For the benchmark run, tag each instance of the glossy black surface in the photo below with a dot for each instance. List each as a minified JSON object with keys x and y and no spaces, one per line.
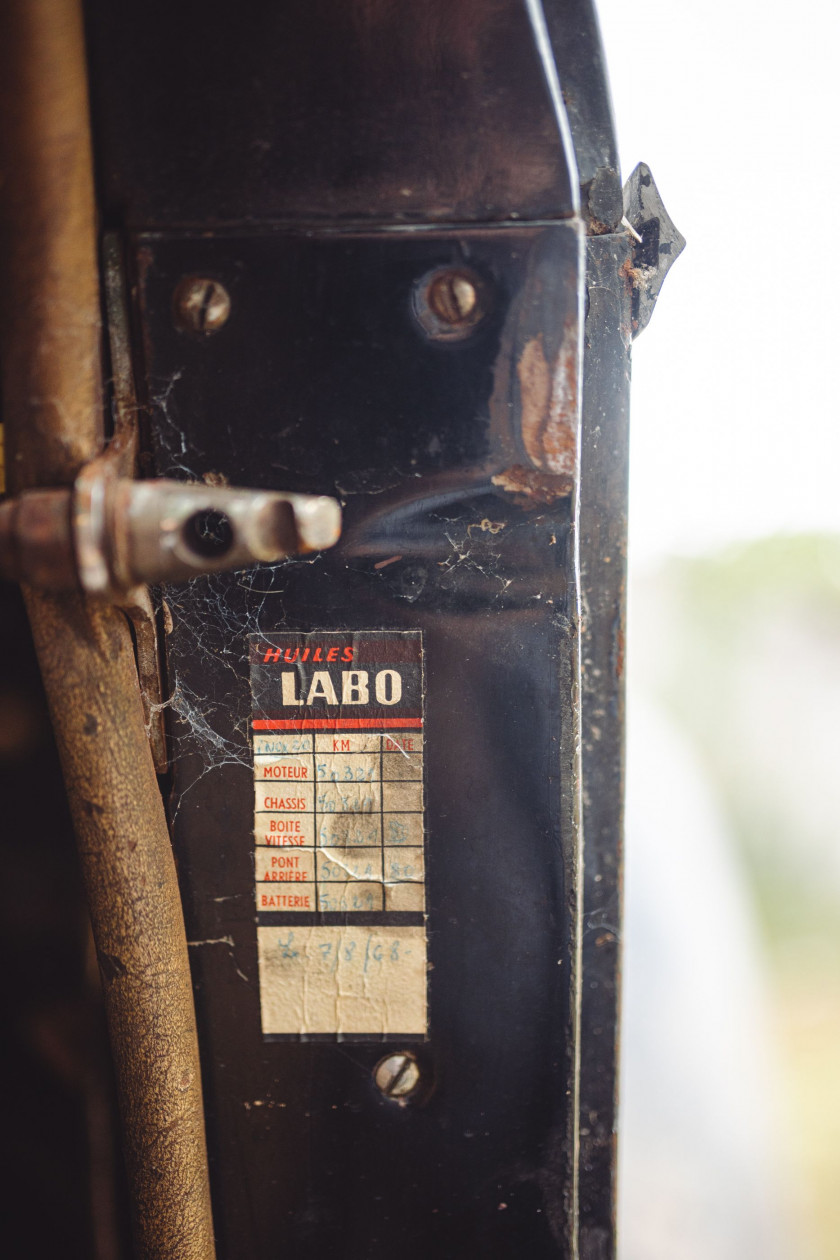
{"x":401,"y":427}
{"x":255,"y":111}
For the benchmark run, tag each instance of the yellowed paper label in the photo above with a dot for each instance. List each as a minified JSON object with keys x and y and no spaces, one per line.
{"x":339,"y":833}
{"x":345,"y":980}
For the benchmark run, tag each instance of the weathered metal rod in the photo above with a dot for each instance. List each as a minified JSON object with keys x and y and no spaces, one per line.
{"x":49,"y":333}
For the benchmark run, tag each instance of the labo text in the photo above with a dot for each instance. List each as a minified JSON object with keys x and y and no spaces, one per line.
{"x":354,"y":687}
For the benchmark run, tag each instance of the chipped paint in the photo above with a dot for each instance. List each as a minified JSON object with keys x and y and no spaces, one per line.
{"x":534,"y":487}
{"x":549,"y":403}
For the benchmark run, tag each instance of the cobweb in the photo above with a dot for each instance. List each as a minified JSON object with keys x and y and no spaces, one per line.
{"x":208,"y":708}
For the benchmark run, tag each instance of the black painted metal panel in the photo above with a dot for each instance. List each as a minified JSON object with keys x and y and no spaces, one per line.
{"x":603,"y":564}
{"x":265,"y":111}
{"x":406,"y":431}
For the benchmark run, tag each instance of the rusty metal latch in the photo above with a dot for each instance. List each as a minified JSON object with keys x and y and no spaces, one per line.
{"x":109,"y":534}
{"x":658,"y":243}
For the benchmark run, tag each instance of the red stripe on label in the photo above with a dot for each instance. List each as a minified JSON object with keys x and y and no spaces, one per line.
{"x":336,"y":724}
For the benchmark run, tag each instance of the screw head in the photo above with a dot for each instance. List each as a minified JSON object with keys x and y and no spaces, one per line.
{"x":450,"y":302}
{"x":452,"y":297}
{"x":397,"y":1075}
{"x":201,"y":305}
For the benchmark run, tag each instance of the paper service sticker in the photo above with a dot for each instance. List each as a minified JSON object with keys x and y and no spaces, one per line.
{"x":339,"y":833}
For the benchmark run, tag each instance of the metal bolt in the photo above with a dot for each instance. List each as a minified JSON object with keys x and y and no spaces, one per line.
{"x":450,"y":302}
{"x":452,"y":297}
{"x":398,"y":1075}
{"x":201,"y":305}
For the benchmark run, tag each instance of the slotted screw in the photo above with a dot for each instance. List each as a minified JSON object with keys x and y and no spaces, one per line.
{"x":450,"y":302}
{"x":201,"y":305}
{"x":397,"y":1076}
{"x":453,"y":298}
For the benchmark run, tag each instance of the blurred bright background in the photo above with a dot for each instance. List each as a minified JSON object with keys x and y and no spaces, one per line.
{"x":734,"y":653}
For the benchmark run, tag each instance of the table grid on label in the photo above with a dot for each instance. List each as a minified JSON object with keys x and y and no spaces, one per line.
{"x":338,"y":822}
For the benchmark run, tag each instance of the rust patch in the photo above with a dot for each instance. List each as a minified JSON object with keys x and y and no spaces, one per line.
{"x":549,"y":403}
{"x":535,"y":392}
{"x":530,"y":486}
{"x":633,"y":278}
